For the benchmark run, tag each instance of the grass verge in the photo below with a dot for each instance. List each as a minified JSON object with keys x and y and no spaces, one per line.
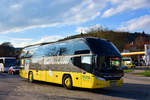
{"x":146,"y":73}
{"x":128,"y":70}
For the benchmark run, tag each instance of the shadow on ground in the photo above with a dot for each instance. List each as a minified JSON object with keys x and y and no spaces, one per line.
{"x":128,"y":90}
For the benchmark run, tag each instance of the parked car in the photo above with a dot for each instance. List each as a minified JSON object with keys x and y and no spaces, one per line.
{"x":13,"y":70}
{"x":127,"y":61}
{"x":124,"y":67}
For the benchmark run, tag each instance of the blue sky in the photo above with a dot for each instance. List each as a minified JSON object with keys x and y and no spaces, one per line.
{"x":24,"y":22}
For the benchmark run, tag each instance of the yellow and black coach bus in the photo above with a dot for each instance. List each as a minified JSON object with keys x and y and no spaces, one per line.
{"x":82,"y":62}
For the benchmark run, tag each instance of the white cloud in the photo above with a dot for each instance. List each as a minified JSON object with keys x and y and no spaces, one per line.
{"x":142,"y":23}
{"x":126,"y":5}
{"x":81,"y":29}
{"x":115,"y":1}
{"x":49,"y":39}
{"x":15,"y":6}
{"x":21,"y":15}
{"x":87,"y":29}
{"x":22,"y":42}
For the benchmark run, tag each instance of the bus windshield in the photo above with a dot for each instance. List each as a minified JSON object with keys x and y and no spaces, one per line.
{"x":108,"y":63}
{"x":102,"y":47}
{"x":10,"y":62}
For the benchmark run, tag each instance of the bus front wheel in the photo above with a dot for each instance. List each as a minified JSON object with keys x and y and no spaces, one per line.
{"x":30,"y":77}
{"x":67,"y":82}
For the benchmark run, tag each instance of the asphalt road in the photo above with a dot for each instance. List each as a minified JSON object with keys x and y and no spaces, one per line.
{"x":12,"y":87}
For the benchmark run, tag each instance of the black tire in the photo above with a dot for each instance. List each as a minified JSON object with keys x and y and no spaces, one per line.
{"x":67,"y":78}
{"x":30,"y":77}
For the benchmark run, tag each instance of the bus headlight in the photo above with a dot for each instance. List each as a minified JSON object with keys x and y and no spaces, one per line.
{"x":99,"y":78}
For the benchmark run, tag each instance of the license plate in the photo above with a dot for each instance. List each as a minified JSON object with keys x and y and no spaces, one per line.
{"x":113,"y":83}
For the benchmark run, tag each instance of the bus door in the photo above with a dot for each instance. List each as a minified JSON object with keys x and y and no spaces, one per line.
{"x":41,"y":69}
{"x":36,"y":61}
{"x":26,"y":67}
{"x":86,"y":65}
{"x":42,"y":74}
{"x":37,"y":73}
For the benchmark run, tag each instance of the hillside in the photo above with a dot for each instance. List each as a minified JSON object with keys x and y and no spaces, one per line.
{"x":122,"y":40}
{"x":7,"y":50}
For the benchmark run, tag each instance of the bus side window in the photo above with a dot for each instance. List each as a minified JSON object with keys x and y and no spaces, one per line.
{"x":65,"y":48}
{"x":86,"y":62}
{"x":80,"y":47}
{"x":77,"y":61}
{"x":83,"y":62}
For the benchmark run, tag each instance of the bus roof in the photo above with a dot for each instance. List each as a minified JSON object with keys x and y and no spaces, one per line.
{"x":82,"y":38}
{"x":98,"y":46}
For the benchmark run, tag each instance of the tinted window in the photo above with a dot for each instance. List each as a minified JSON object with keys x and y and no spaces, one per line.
{"x":38,"y":51}
{"x":47,"y":50}
{"x":66,"y":48}
{"x":10,"y":62}
{"x":28,"y":52}
{"x":51,"y":50}
{"x":55,"y":49}
{"x":70,"y":47}
{"x":102,"y":47}
{"x":23,"y":54}
{"x":86,"y":62}
{"x":80,"y":47}
{"x":16,"y":67}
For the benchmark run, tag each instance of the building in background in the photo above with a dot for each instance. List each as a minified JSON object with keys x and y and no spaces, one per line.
{"x":147,"y":54}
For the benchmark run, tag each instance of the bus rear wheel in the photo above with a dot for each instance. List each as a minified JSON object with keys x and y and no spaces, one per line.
{"x":67,"y":82}
{"x":30,"y":77}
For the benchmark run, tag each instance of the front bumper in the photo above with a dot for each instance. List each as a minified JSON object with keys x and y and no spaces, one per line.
{"x":102,"y":83}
